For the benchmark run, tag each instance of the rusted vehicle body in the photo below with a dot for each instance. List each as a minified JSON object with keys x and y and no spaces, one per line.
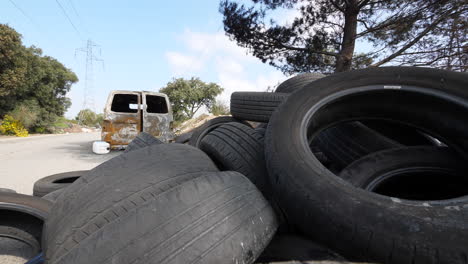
{"x":127,"y":113}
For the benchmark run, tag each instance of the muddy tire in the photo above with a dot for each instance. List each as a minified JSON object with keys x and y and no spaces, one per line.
{"x":55,"y":182}
{"x":176,"y":208}
{"x":255,"y":106}
{"x":362,"y":225}
{"x":200,"y":132}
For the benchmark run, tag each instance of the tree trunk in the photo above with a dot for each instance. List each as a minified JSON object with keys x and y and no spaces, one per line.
{"x":345,"y":57}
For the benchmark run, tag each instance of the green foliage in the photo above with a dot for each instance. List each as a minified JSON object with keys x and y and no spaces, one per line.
{"x":31,"y":83}
{"x":11,"y":126}
{"x":219,"y":108}
{"x":61,"y":123}
{"x":323,"y":34}
{"x":89,"y":118}
{"x":27,"y":112}
{"x":188,"y":96}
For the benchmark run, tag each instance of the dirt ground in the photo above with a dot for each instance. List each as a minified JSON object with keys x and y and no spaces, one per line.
{"x":25,"y":160}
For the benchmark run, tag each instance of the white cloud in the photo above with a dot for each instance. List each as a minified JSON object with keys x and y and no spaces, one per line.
{"x":182,"y":64}
{"x":228,"y":64}
{"x":260,"y":84}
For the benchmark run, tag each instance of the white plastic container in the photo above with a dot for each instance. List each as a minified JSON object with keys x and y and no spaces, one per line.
{"x":101,"y":147}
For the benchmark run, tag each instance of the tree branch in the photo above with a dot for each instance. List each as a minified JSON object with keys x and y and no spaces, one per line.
{"x":414,"y":41}
{"x":337,"y":6}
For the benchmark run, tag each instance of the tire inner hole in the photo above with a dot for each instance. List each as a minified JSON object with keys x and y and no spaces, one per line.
{"x":67,"y":180}
{"x":424,"y":185}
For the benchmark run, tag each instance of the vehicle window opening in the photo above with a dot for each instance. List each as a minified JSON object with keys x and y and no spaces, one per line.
{"x":156,"y":104}
{"x":125,"y":103}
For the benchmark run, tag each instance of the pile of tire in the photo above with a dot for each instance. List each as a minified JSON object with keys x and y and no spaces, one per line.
{"x":371,"y":163}
{"x":368,"y":166}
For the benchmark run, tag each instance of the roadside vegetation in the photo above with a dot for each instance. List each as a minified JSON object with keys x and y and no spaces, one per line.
{"x":33,"y":87}
{"x":189,"y":96}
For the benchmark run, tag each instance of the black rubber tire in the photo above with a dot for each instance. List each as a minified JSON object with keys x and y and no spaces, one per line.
{"x":237,"y":147}
{"x":347,"y":142}
{"x":142,"y":140}
{"x":183,"y":138}
{"x":21,"y":222}
{"x":17,"y":243}
{"x":255,"y":106}
{"x":56,"y":182}
{"x":357,"y":223}
{"x":402,"y":134}
{"x":129,"y":187}
{"x":176,"y":208}
{"x":208,"y":126}
{"x":7,"y":190}
{"x":54,"y":196}
{"x":374,"y":169}
{"x":297,"y":82}
{"x":285,"y":247}
{"x":25,"y":204}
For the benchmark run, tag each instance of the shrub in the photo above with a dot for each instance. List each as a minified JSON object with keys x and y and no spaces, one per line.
{"x":11,"y":126}
{"x":219,"y":108}
{"x":26,"y":113}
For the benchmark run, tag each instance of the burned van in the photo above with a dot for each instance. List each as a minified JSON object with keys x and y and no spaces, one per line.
{"x":127,"y":113}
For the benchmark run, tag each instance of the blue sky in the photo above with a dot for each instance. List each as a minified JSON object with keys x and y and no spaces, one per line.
{"x":144,"y":44}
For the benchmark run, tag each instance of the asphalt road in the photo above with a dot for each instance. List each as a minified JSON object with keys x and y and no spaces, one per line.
{"x":25,"y":160}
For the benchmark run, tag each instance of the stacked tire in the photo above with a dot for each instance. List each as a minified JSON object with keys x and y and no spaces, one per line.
{"x":368,"y":165}
{"x":354,"y":219}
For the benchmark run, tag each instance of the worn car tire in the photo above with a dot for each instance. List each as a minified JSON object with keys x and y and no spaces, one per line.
{"x":255,"y":106}
{"x":56,"y":182}
{"x":285,"y":247}
{"x":200,"y":132}
{"x":183,"y":138}
{"x":176,"y":208}
{"x":372,"y":171}
{"x":297,"y":82}
{"x":237,"y":147}
{"x":7,"y":190}
{"x":360,"y":224}
{"x":115,"y":188}
{"x":347,"y":142}
{"x":142,"y":140}
{"x":53,"y":196}
{"x":21,"y":221}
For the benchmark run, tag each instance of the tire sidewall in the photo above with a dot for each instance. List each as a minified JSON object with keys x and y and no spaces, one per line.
{"x":335,"y":203}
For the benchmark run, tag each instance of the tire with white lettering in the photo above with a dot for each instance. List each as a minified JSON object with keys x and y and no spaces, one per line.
{"x":358,"y":224}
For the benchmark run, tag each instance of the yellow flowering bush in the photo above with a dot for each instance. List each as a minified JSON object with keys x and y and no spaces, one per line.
{"x":11,"y":126}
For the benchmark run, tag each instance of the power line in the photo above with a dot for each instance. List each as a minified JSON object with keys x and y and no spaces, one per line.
{"x":69,"y":20}
{"x":70,"y":2}
{"x":74,"y":9}
{"x":22,"y":12}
